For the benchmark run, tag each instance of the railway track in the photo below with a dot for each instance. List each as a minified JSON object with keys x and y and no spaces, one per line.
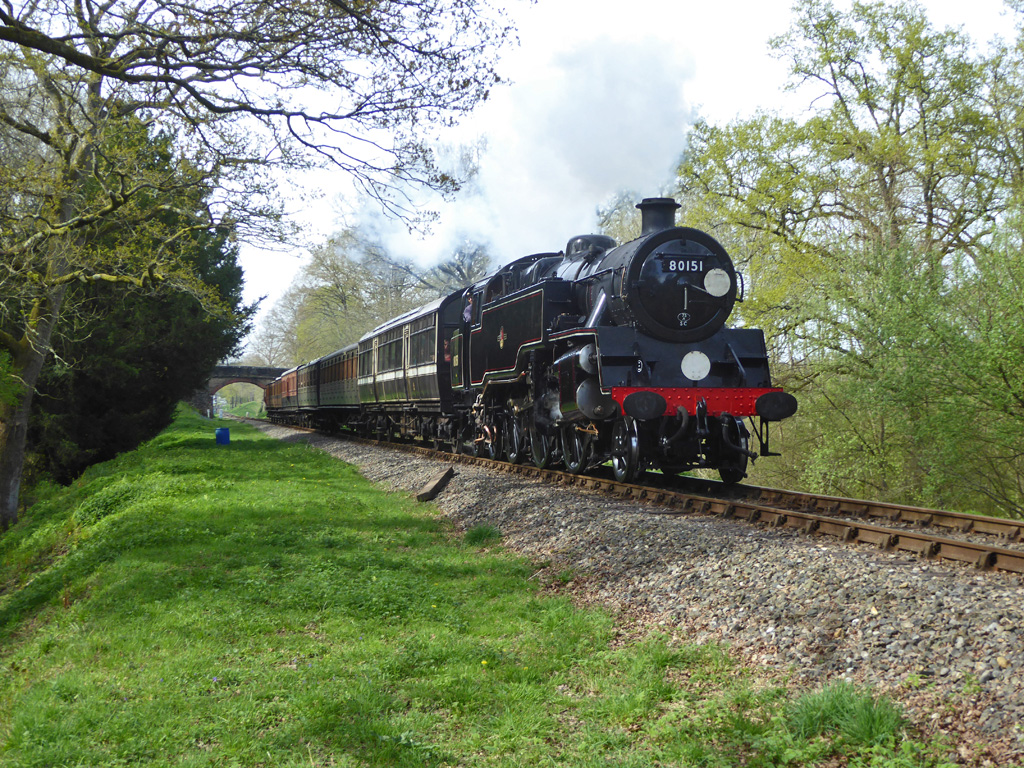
{"x":975,"y":539}
{"x":825,"y":515}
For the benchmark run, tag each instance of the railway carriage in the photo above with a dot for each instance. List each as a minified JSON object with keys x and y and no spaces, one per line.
{"x":307,"y":382}
{"x":404,"y":374}
{"x":338,"y":382}
{"x":327,"y":391}
{"x":281,"y":396}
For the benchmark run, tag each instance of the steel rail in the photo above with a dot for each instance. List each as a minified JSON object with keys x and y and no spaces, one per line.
{"x":963,"y":522}
{"x":980,"y":555}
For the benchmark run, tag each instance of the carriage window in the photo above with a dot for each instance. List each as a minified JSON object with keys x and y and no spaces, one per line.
{"x":421,"y":341}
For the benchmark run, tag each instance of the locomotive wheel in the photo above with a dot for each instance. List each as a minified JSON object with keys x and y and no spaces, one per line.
{"x":735,"y":468}
{"x":576,"y":449}
{"x":514,"y":440}
{"x":625,"y":450}
{"x":540,"y":448}
{"x":732,"y":476}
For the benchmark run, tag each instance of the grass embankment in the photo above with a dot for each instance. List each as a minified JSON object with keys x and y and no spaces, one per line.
{"x":262,"y":604}
{"x":251,"y":410}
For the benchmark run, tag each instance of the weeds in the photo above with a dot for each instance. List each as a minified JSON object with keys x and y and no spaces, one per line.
{"x":482,"y":535}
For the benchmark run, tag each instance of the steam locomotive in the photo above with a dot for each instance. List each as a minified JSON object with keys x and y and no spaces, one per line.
{"x":600,"y":353}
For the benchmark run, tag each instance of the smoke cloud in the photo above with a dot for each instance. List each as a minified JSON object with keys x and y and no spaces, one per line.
{"x":603,"y":117}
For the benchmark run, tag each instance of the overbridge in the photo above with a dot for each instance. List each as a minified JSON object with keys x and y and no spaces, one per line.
{"x":223,"y":375}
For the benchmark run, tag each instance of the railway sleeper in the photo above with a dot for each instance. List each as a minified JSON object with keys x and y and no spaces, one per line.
{"x":920,"y":547}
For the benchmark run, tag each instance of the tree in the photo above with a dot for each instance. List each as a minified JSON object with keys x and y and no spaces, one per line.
{"x":349,"y":286}
{"x":274,"y":341}
{"x":352,"y":284}
{"x":269,"y":344}
{"x":470,"y":262}
{"x":127,"y":359}
{"x":351,"y":81}
{"x":346,"y":84}
{"x":882,"y":220}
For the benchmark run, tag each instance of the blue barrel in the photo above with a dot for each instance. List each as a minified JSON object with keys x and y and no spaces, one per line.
{"x":223,"y":436}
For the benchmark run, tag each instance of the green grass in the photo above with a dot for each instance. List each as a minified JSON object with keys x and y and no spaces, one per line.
{"x":250,"y":410}
{"x":482,"y":535}
{"x":261,"y":604}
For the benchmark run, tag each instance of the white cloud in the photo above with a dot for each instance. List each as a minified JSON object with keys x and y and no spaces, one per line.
{"x":591,"y":121}
{"x":602,"y":93}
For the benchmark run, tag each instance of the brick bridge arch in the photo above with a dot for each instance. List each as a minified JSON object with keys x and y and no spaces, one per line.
{"x":223,"y":375}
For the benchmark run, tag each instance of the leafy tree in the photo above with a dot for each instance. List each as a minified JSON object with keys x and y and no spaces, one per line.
{"x":350,"y":285}
{"x":81,"y":188}
{"x":274,"y":341}
{"x":269,"y":344}
{"x":122,"y":368}
{"x":352,"y":81}
{"x":882,"y":221}
{"x":241,"y":89}
{"x":470,"y":263}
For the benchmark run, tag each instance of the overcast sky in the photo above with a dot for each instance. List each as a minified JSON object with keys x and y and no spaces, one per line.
{"x":603,"y":92}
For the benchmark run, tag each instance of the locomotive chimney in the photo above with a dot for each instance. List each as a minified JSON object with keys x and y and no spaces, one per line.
{"x":658,"y":213}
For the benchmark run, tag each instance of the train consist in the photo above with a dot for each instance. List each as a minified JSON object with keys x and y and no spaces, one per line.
{"x":600,"y":353}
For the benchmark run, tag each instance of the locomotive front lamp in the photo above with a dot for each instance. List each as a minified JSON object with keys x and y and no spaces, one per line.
{"x":695,"y":365}
{"x":717,"y":282}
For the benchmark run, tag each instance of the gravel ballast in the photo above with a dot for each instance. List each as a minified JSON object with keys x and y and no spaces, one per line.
{"x":944,"y":640}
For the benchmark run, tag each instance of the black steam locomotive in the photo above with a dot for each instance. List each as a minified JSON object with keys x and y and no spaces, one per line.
{"x":603,"y":352}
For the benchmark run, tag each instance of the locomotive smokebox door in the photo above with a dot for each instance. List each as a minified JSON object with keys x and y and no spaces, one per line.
{"x":682,"y":285}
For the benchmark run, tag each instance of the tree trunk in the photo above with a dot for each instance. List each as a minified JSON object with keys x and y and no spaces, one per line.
{"x":28,"y":364}
{"x":13,"y":434}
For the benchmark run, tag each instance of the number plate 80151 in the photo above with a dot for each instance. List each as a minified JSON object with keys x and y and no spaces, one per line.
{"x":683,"y":265}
